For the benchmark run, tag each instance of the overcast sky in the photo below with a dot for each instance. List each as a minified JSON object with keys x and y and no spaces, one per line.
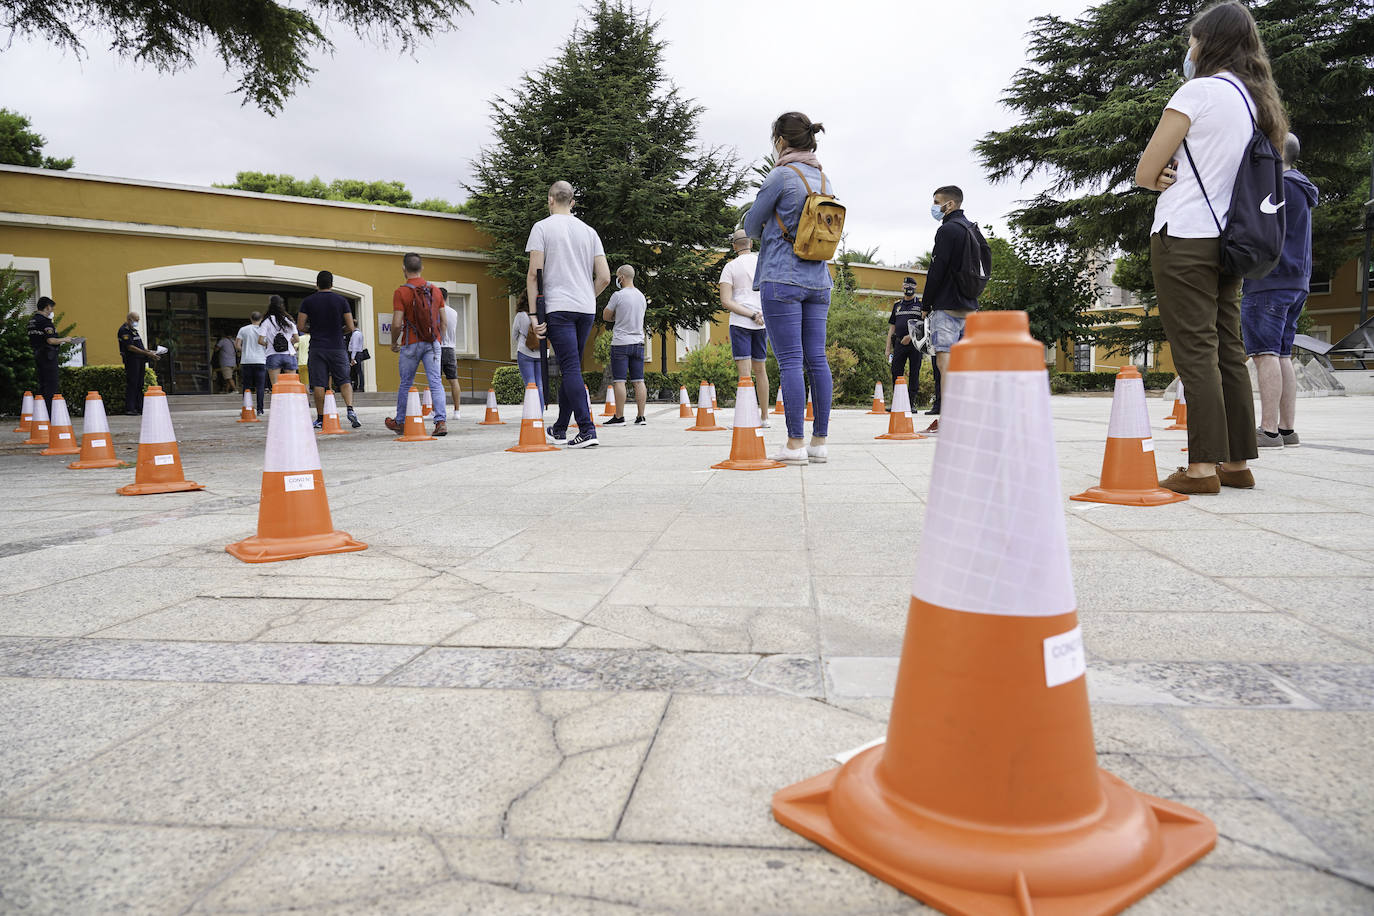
{"x":911,"y":86}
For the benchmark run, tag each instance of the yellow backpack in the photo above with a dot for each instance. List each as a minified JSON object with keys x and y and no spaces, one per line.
{"x":820,"y":225}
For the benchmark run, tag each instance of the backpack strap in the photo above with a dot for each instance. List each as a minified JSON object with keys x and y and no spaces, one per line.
{"x":1248,"y":110}
{"x":789,"y":239}
{"x":1198,"y":175}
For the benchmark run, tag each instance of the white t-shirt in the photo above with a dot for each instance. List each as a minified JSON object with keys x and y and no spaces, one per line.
{"x":519,"y":329}
{"x":448,"y":337}
{"x":253,"y":353}
{"x":1219,"y":130}
{"x":268,"y":328}
{"x":629,"y":305}
{"x":355,"y":342}
{"x":570,"y":247}
{"x":739,"y":273}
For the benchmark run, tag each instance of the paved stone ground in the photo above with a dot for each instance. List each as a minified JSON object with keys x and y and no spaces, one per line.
{"x":570,"y":683}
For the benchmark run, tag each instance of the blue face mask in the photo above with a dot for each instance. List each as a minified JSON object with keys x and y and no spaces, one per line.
{"x":937,"y":213}
{"x":1189,"y":68}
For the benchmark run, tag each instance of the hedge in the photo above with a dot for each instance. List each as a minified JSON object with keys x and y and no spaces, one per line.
{"x":74,"y":382}
{"x":1061,"y":382}
{"x":711,"y":363}
{"x":509,"y":386}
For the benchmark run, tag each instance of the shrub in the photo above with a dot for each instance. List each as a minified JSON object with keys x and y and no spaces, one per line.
{"x":660,"y":384}
{"x":711,"y":363}
{"x":843,"y":364}
{"x":75,"y":382}
{"x":1159,"y":380}
{"x":1063,"y":382}
{"x":861,"y":329}
{"x":592,"y":379}
{"x":601,"y":348}
{"x":509,"y":386}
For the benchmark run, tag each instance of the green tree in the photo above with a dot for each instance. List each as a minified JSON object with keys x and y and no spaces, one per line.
{"x":352,"y":190}
{"x":17,"y":371}
{"x":1094,"y":88}
{"x":604,"y":116}
{"x":266,"y":44}
{"x":1055,"y":285}
{"x":21,"y":146}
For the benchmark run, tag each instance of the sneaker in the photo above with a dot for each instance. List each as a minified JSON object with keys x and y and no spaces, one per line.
{"x":319,"y":423}
{"x":816,"y":453}
{"x":582,"y":440}
{"x":1267,"y":440}
{"x":394,"y":426}
{"x":353,"y":418}
{"x":614,"y":421}
{"x":640,"y":421}
{"x":1290,"y":439}
{"x":441,"y":427}
{"x":764,"y":424}
{"x":557,"y":435}
{"x":793,"y":456}
{"x":1180,"y":482}
{"x":933,"y":429}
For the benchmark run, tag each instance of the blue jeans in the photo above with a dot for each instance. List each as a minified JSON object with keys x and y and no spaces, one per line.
{"x":1269,"y":320}
{"x":567,"y":334}
{"x":409,"y":359}
{"x":795,"y":318}
{"x":255,"y":377}
{"x":532,"y":374}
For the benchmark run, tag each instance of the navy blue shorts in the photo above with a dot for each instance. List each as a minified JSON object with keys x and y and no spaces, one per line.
{"x":627,"y":363}
{"x":749,"y":343}
{"x":325,"y":366}
{"x":1269,"y":320}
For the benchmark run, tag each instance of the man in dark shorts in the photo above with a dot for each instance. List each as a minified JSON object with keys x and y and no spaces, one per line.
{"x":901,"y":347}
{"x":324,"y":314}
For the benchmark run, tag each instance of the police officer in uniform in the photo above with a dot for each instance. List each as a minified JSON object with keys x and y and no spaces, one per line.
{"x":44,"y":340}
{"x":135,"y":357}
{"x":901,"y":348}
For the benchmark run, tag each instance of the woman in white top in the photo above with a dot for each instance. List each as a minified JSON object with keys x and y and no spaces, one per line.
{"x":531,"y":370}
{"x":1228,"y":81}
{"x":278,"y":321}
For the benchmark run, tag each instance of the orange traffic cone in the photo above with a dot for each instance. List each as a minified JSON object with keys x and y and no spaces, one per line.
{"x":1180,"y":410}
{"x":293,"y":513}
{"x":248,"y":413}
{"x":159,"y":459}
{"x":532,"y":425}
{"x":1129,"y":475}
{"x":810,"y":412}
{"x":899,"y":424}
{"x":879,"y":407}
{"x":714,"y":406}
{"x":493,"y":417}
{"x":609,"y":411}
{"x":61,"y":437}
{"x":330,"y":425}
{"x":426,"y":403}
{"x":746,"y":448}
{"x":414,"y":430}
{"x":38,"y":426}
{"x":778,"y":409}
{"x":684,"y":403}
{"x":590,"y":415}
{"x":97,"y":448}
{"x":706,"y":414}
{"x":986,"y":797}
{"x":1173,"y":411}
{"x":25,"y":414}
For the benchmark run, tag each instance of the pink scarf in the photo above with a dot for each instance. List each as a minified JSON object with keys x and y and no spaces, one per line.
{"x":805,"y":157}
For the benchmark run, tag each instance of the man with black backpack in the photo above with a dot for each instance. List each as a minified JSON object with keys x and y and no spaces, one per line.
{"x":416,"y":327}
{"x":960,"y":265}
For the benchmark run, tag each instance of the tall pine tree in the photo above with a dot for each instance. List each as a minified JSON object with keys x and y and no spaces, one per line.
{"x":605,"y":117}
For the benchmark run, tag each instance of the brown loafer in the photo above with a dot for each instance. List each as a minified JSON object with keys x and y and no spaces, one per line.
{"x":1241,"y":480}
{"x":1180,"y":482}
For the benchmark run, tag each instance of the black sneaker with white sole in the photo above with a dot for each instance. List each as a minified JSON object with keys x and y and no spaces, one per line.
{"x":319,"y":423}
{"x":640,"y":421}
{"x":614,"y":421}
{"x":582,"y":440}
{"x":353,"y":418}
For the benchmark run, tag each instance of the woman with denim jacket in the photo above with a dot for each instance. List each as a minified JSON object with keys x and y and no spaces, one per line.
{"x":794,"y":293}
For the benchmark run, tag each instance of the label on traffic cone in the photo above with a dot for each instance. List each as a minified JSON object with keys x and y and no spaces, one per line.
{"x":38,"y":425}
{"x":414,"y":430}
{"x":426,"y":403}
{"x":1129,"y":475}
{"x":25,"y":414}
{"x":61,"y":437}
{"x":986,"y":796}
{"x":746,"y":448}
{"x":878,"y":406}
{"x":493,"y":417}
{"x":610,"y":401}
{"x":532,"y":425}
{"x":899,"y":424}
{"x":1180,"y":410}
{"x":248,"y":414}
{"x":159,"y":459}
{"x":778,"y":409}
{"x":706,"y":414}
{"x":97,"y":446}
{"x":293,"y":513}
{"x":684,"y":403}
{"x":330,"y":421}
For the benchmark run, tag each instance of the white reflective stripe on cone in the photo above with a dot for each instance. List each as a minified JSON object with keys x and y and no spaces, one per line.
{"x":60,"y":415}
{"x":1130,"y":417}
{"x":290,"y":435}
{"x":530,"y":410}
{"x":704,"y":398}
{"x":413,"y":403}
{"x":878,"y":390}
{"x":746,"y":408}
{"x":681,"y":396}
{"x":995,"y":499}
{"x":901,"y":399}
{"x":156,"y":427}
{"x":1181,"y":399}
{"x":27,"y":405}
{"x":95,"y":420}
{"x":330,"y":408}
{"x":491,"y":399}
{"x":248,"y":397}
{"x":40,"y":410}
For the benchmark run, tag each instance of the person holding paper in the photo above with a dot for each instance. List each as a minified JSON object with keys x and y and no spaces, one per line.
{"x":135,"y":356}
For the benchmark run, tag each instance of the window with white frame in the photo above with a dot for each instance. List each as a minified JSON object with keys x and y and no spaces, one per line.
{"x":1320,"y":284}
{"x":462,"y":298}
{"x":34,"y":274}
{"x":1083,"y":357}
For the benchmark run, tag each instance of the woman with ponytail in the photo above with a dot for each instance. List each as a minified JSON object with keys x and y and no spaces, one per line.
{"x":794,"y":292}
{"x":1193,"y":159}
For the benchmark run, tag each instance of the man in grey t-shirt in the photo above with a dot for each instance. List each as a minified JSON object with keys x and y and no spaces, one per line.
{"x":626,"y":310}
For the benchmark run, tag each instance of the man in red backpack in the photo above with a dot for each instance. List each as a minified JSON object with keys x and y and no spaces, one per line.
{"x":416,"y":329}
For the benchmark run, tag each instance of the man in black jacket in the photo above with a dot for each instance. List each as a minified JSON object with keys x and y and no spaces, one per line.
{"x":45,"y":342}
{"x":948,"y":303}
